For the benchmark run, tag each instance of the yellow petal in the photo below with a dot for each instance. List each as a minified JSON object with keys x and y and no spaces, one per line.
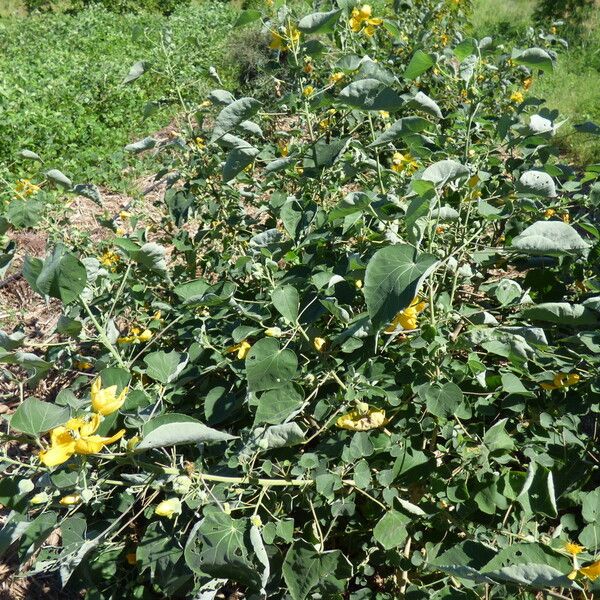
{"x":168,"y":508}
{"x":319,"y":343}
{"x":591,"y":571}
{"x":358,"y":421}
{"x":573,"y":548}
{"x":57,"y":454}
{"x":94,"y":443}
{"x":90,"y":426}
{"x":70,"y":500}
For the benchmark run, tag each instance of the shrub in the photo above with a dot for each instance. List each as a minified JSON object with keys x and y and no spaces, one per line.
{"x":359,"y":357}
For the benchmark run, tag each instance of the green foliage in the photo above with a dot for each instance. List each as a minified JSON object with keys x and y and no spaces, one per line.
{"x":62,"y":88}
{"x":360,"y":355}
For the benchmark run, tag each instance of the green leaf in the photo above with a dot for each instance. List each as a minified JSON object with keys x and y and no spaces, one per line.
{"x":550,"y":238}
{"x":419,"y":63}
{"x":541,"y":577}
{"x":401,"y":128}
{"x":497,"y":440}
{"x":146,"y":144}
{"x":370,"y":94}
{"x":88,"y":190}
{"x":534,"y":58}
{"x":426,"y":104}
{"x":393,"y":278}
{"x":34,"y":416}
{"x":443,"y":401}
{"x":173,"y":429}
{"x":165,"y":366}
{"x":319,"y":22}
{"x":466,"y":48}
{"x":444,"y":171}
{"x":538,"y":183}
{"x":24,"y":213}
{"x":352,"y":203}
{"x":537,"y":495}
{"x":275,"y":406}
{"x":562,"y":313}
{"x":220,"y":546}
{"x":237,"y":160}
{"x":60,"y":178}
{"x":152,"y":256}
{"x":268,"y":367}
{"x":304,"y":568}
{"x":135,"y":72}
{"x":247,"y":16}
{"x":390,"y":530}
{"x":62,"y":276}
{"x":287,"y":302}
{"x":278,"y":436}
{"x":234,"y":114}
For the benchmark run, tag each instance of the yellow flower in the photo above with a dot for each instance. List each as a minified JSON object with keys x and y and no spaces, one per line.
{"x":24,"y":187}
{"x":527,"y":82}
{"x":309,"y":90}
{"x":336,"y":77}
{"x":242,"y":349}
{"x":256,"y":520}
{"x":70,"y":500}
{"x":199,"y":143}
{"x":384,"y":114}
{"x":277,"y":42}
{"x":573,"y":548}
{"x":40,"y":498}
{"x":403,"y":163}
{"x":124,"y":215}
{"x":168,"y":508}
{"x":157,"y":316}
{"x":109,"y":259}
{"x":553,"y":30}
{"x":105,"y":401}
{"x":82,"y":365}
{"x":591,"y":571}
{"x":440,"y":229}
{"x":273,"y":332}
{"x":561,"y":380}
{"x":132,"y":443}
{"x":549,"y":213}
{"x":319,"y":344}
{"x":407,"y":318}
{"x":145,"y":336}
{"x":566,"y":217}
{"x":361,"y":17}
{"x":284,"y":149}
{"x":517,"y":97}
{"x":308,"y":67}
{"x":358,"y":284}
{"x":363,"y":420}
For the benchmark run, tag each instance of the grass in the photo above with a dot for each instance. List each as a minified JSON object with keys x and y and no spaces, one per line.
{"x":574,"y":87}
{"x":61,"y":80}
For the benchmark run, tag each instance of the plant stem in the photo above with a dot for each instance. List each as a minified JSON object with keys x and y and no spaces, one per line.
{"x":103,"y":337}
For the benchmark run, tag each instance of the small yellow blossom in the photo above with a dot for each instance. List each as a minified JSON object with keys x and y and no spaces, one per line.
{"x":168,"y":508}
{"x":384,"y":114}
{"x":308,"y":67}
{"x":284,"y":149}
{"x":404,"y":163}
{"x":40,"y":498}
{"x":319,"y":343}
{"x":83,"y":365}
{"x":256,"y":520}
{"x":440,"y":229}
{"x":105,"y":401}
{"x":358,"y":284}
{"x":407,"y":319}
{"x":24,"y":187}
{"x":573,"y":548}
{"x":561,"y":380}
{"x":553,"y":30}
{"x":549,"y":213}
{"x":124,"y":215}
{"x":109,"y":259}
{"x":145,"y":336}
{"x":517,"y":97}
{"x":157,"y":316}
{"x":280,"y":41}
{"x":308,"y":91}
{"x":566,"y":217}
{"x":363,"y":420}
{"x":70,"y":500}
{"x":200,"y":143}
{"x":361,"y":20}
{"x":242,"y":349}
{"x":336,"y":77}
{"x":277,"y":42}
{"x":273,"y":332}
{"x":527,"y":82}
{"x":132,"y":443}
